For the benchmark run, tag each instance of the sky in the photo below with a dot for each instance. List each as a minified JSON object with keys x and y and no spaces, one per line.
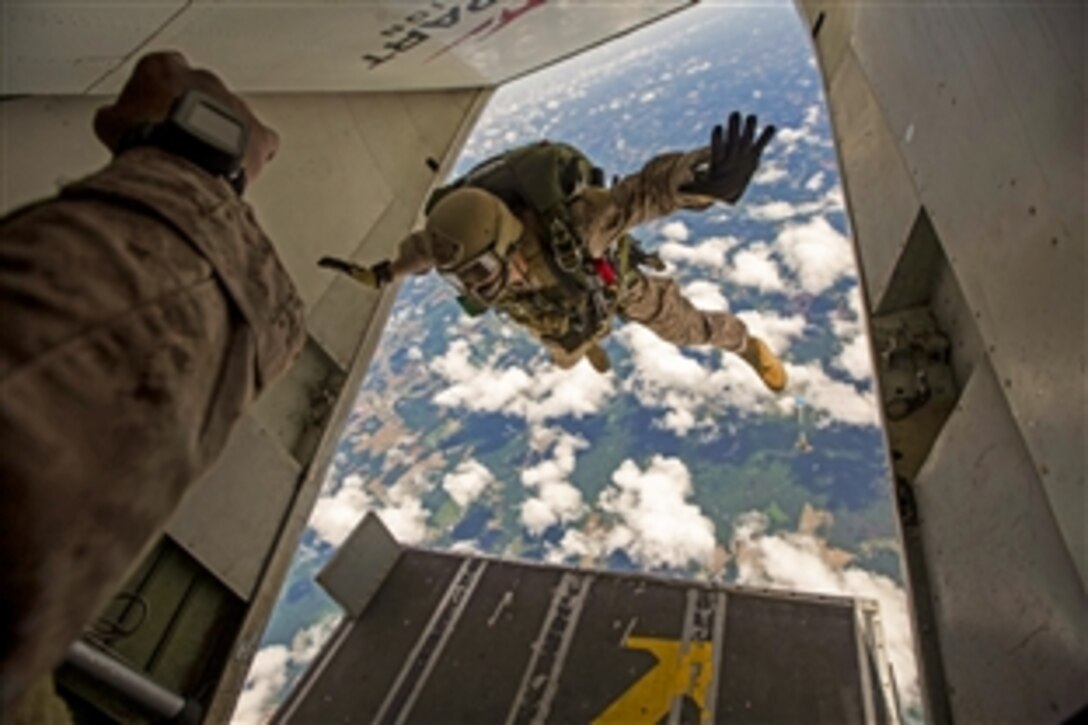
{"x":782,"y":261}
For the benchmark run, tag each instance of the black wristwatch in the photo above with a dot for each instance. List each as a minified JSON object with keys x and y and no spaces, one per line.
{"x":202,"y":130}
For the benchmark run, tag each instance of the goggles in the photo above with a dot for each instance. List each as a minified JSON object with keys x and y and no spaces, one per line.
{"x":479,"y":274}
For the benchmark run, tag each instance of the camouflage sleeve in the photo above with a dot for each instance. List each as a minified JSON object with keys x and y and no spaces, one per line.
{"x":605,"y":214}
{"x":144,"y":310}
{"x":419,"y":253}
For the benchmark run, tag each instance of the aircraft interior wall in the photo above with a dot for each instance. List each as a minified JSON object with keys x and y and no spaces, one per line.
{"x":352,"y":173}
{"x":960,"y":131}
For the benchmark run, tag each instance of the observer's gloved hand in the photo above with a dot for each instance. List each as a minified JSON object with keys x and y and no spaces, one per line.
{"x":374,"y":277}
{"x":734,"y":158}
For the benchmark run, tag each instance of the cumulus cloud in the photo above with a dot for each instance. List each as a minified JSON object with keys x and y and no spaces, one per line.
{"x":854,"y":359}
{"x":273,"y":667}
{"x":840,"y":401}
{"x":466,"y":482}
{"x":690,"y":394}
{"x":801,"y":562}
{"x":335,"y":515}
{"x":555,"y":500}
{"x":789,"y":139}
{"x":777,"y":330}
{"x":653,"y":521}
{"x":710,"y":252}
{"x":770,"y":173}
{"x":817,"y":253}
{"x":676,"y":231}
{"x":772,"y":211}
{"x":578,"y":545}
{"x":548,"y":393}
{"x":780,"y":211}
{"x":815,"y":182}
{"x":753,"y":267}
{"x":400,"y":507}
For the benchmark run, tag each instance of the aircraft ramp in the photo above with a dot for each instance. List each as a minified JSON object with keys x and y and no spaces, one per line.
{"x":443,"y":637}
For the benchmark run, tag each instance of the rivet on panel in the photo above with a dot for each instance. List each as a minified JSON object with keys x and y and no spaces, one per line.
{"x":1044,"y":470}
{"x":1008,"y":383}
{"x":1031,"y":210}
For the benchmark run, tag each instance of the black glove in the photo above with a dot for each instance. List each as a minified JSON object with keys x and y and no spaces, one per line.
{"x":337,"y":265}
{"x":733,"y":160}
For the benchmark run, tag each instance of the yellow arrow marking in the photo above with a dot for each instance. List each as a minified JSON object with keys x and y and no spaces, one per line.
{"x":680,"y":670}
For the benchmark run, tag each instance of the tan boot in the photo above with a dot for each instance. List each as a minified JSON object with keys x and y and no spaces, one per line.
{"x":598,"y":358}
{"x":763,"y":361}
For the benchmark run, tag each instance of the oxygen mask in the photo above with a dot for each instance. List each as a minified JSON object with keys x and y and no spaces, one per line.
{"x":483,"y":276}
{"x":482,"y":231}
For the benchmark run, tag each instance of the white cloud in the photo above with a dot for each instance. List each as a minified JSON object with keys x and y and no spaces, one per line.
{"x":708,"y":253}
{"x":770,"y":173}
{"x":690,"y":394}
{"x":549,"y":392}
{"x":654,"y":522}
{"x":800,"y":562}
{"x":817,"y":253}
{"x":578,"y":545}
{"x":676,"y":231}
{"x":706,"y":296}
{"x":847,"y":325}
{"x":772,"y":211}
{"x":404,"y":514}
{"x":789,"y":138}
{"x":264,"y":684}
{"x":555,"y":500}
{"x":854,"y":358}
{"x":400,"y":508}
{"x":272,"y":667}
{"x":466,"y":482}
{"x":753,"y":267}
{"x":778,"y":331}
{"x":842,"y":402}
{"x":815,"y":182}
{"x":334,"y":516}
{"x":834,"y":200}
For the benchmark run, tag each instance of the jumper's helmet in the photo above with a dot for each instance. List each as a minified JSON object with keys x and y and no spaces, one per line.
{"x":480,"y":230}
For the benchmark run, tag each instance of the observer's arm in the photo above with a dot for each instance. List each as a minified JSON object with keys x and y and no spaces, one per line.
{"x":417,"y":253}
{"x":144,"y":310}
{"x":719,"y":172}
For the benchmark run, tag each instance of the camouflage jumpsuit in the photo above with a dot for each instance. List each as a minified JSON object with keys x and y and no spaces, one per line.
{"x":601,"y":217}
{"x":143,"y":311}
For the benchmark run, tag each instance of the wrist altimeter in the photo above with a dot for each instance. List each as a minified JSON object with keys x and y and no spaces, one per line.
{"x":200,"y":129}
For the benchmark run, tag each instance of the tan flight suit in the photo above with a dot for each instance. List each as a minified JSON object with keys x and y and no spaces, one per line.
{"x":143,"y":311}
{"x":602,"y":216}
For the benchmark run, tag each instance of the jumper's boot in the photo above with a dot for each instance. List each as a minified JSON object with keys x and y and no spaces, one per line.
{"x":598,"y":358}
{"x":763,"y":361}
